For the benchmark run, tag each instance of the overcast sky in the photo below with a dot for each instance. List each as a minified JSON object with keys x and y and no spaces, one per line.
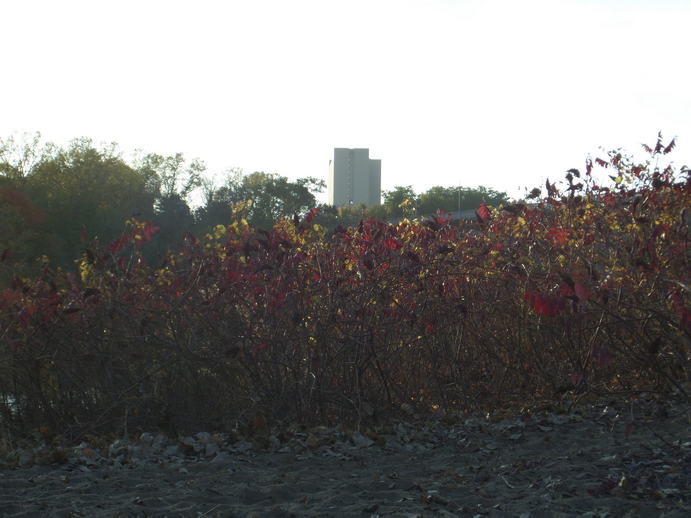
{"x":494,"y":93}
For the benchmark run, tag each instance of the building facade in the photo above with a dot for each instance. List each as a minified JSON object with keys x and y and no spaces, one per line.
{"x":354,"y":178}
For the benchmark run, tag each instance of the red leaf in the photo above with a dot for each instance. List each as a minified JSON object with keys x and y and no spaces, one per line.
{"x":25,"y":314}
{"x":568,"y":280}
{"x":144,"y":234}
{"x":670,"y":146}
{"x":545,"y":305}
{"x":566,"y":290}
{"x":118,"y":244}
{"x":582,"y":291}
{"x":552,"y":191}
{"x":588,"y":166}
{"x":8,"y":296}
{"x":51,"y":300}
{"x":310,"y":215}
{"x":150,"y":230}
{"x":558,"y":235}
{"x":483,"y":212}
{"x":391,"y":244}
{"x":609,"y":200}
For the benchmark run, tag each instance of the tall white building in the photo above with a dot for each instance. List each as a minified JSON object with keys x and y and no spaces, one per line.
{"x":354,"y":178}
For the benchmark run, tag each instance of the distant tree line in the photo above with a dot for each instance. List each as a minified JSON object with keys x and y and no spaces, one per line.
{"x":403,"y":201}
{"x":54,"y":200}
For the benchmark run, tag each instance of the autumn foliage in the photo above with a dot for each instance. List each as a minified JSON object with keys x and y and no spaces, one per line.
{"x":584,"y":290}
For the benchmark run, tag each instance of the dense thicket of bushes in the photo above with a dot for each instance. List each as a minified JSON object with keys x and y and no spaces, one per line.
{"x":584,"y":291}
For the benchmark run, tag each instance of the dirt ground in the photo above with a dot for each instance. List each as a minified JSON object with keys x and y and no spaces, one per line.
{"x":601,"y":460}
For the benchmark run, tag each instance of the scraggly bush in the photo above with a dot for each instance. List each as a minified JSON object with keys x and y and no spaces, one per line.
{"x":583,"y":291}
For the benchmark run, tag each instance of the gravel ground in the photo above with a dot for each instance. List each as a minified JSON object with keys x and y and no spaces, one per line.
{"x":602,"y":460}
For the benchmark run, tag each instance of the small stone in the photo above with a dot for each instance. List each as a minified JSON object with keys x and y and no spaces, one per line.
{"x":203,"y":437}
{"x":146,"y":438}
{"x":191,"y":445}
{"x":118,"y":448}
{"x":173,"y":449}
{"x":242,"y":446}
{"x":135,"y":451}
{"x":159,"y":442}
{"x":274,"y":442}
{"x":313,"y":442}
{"x":361,"y":441}
{"x":221,"y":458}
{"x":211,"y":449}
{"x":88,"y":453}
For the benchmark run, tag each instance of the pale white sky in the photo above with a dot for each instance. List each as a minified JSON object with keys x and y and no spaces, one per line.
{"x":497,"y":93}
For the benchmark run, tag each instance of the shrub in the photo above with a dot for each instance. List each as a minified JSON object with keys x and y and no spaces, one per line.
{"x":582,"y":291}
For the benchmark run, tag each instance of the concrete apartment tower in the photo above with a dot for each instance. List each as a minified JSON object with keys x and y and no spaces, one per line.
{"x":354,"y":178}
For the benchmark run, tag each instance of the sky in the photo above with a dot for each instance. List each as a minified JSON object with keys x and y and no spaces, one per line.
{"x":445,"y":92}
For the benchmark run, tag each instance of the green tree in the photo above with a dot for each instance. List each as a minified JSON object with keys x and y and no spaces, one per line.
{"x":170,"y":176}
{"x":20,"y":155}
{"x":438,"y":198}
{"x":349,"y":215}
{"x":274,"y":197}
{"x":80,"y":189}
{"x":218,"y":200}
{"x":451,"y":198}
{"x":19,"y":232}
{"x":172,"y":180}
{"x":400,"y":201}
{"x":472,"y":197}
{"x":19,"y":216}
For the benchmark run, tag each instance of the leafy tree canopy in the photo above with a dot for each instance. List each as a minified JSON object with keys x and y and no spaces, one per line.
{"x":54,"y":198}
{"x":400,"y":200}
{"x":403,"y":201}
